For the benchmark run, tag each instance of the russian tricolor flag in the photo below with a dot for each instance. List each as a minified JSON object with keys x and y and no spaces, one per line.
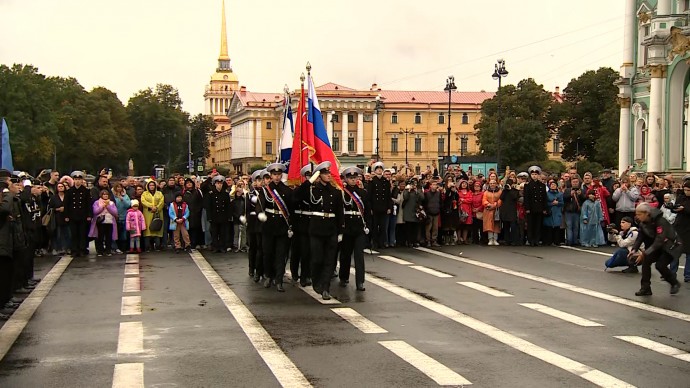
{"x":322,"y":147}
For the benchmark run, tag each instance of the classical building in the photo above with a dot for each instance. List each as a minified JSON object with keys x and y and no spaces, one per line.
{"x":217,"y":98}
{"x":654,"y":86}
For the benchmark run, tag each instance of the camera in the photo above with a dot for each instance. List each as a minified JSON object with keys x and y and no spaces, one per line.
{"x":507,"y":187}
{"x":611,"y":228}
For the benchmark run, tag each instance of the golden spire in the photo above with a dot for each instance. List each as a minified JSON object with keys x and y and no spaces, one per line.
{"x":223,"y":37}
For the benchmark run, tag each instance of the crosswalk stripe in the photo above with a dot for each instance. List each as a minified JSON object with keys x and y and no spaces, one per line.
{"x":285,"y":371}
{"x":131,"y":338}
{"x":586,"y":372}
{"x":657,"y":347}
{"x":485,"y":289}
{"x":129,"y":375}
{"x":561,"y":315}
{"x":357,"y":320}
{"x":430,"y":271}
{"x":131,"y":305}
{"x":371,"y":251}
{"x":596,"y":252}
{"x":565,"y":286}
{"x":436,"y":371}
{"x":396,"y":260}
{"x":131,"y":269}
{"x":309,"y":290}
{"x":132,"y":259}
{"x":131,"y":285}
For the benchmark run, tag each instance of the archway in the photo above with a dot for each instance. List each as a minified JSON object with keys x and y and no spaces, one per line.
{"x":677,"y":100}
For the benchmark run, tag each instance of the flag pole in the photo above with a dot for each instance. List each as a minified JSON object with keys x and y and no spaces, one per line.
{"x":286,"y":94}
{"x":301,"y":127}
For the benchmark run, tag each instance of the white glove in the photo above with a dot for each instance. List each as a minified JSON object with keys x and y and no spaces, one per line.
{"x":243,"y":220}
{"x":340,"y":238}
{"x":253,"y":198}
{"x":366,"y":230}
{"x":262,"y":217}
{"x":314,"y":177}
{"x":408,"y":187}
{"x":26,"y":183}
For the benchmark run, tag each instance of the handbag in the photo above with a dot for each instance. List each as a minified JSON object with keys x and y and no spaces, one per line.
{"x":47,"y":217}
{"x":100,"y":219}
{"x":156,"y":223}
{"x":479,"y":215}
{"x":497,"y":216}
{"x":421,"y":215}
{"x":464,"y":216}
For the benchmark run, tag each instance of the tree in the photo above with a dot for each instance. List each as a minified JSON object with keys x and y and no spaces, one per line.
{"x":589,"y":117}
{"x":526,"y":123}
{"x":201,"y":125}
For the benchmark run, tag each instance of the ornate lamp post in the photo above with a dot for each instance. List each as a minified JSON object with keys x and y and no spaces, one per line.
{"x":450,"y":87}
{"x":378,"y":108}
{"x":406,"y":131}
{"x":499,"y":72}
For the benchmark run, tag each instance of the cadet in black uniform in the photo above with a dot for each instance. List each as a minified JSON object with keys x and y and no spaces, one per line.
{"x":355,"y":231}
{"x":381,"y":203}
{"x":300,"y":262}
{"x":275,"y":200}
{"x":6,"y":240}
{"x":535,"y":206}
{"x":218,"y":213}
{"x":254,"y":226}
{"x":325,"y":225}
{"x":78,"y":213}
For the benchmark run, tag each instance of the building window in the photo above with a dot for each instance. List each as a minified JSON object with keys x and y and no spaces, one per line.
{"x":335,"y":118}
{"x":368,"y":118}
{"x":686,"y":5}
{"x":417,"y":145}
{"x":441,"y":144}
{"x":394,"y":118}
{"x":351,"y":142}
{"x":394,"y":144}
{"x":417,"y":118}
{"x":350,"y":118}
{"x":441,"y":118}
{"x":336,"y":141}
{"x":556,"y":145}
{"x":465,"y":118}
{"x":269,"y":125}
{"x":417,"y":169}
{"x":269,"y":148}
{"x":463,"y":145}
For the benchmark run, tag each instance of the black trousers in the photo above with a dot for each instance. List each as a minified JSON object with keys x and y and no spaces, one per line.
{"x":552,"y":235}
{"x":275,"y":250}
{"x":662,"y":261}
{"x":219,"y":235}
{"x":79,"y":231}
{"x":323,"y":255}
{"x":378,"y":230}
{"x":256,"y":261}
{"x":19,"y":267}
{"x":511,"y":233}
{"x":535,"y":221}
{"x":300,"y":261}
{"x":352,"y":245}
{"x":6,"y":272}
{"x":411,"y":232}
{"x":196,"y":237}
{"x":104,"y":241}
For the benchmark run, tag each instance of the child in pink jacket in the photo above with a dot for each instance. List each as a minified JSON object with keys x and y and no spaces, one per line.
{"x":135,"y":225}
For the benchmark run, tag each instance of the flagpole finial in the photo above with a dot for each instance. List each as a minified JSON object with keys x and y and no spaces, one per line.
{"x":286,"y":89}
{"x":308,"y":67}
{"x":302,"y":77}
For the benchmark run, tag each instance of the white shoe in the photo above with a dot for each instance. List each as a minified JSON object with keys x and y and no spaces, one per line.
{"x":496,"y":243}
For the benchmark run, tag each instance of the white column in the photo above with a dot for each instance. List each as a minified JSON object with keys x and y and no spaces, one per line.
{"x":686,"y":141}
{"x":344,"y":133}
{"x":654,"y":162}
{"x":663,"y":8}
{"x":329,"y":126}
{"x":629,"y":32}
{"x":374,"y":127}
{"x":258,"y":146}
{"x":360,"y":133}
{"x":624,"y":136}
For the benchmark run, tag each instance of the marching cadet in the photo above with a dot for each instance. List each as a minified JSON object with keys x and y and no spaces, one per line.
{"x":381,"y":204}
{"x":355,"y":231}
{"x":277,"y":231}
{"x":218,"y":213}
{"x":254,"y":226}
{"x":78,"y":213}
{"x":300,"y":258}
{"x":325,"y":225}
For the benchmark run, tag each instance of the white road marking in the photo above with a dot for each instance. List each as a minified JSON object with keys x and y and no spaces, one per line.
{"x":566,"y":286}
{"x":657,"y":347}
{"x":309,"y":290}
{"x":357,"y":320}
{"x":586,"y":372}
{"x":371,"y":251}
{"x":561,"y":315}
{"x":15,"y":325}
{"x":131,"y":305}
{"x":282,"y":367}
{"x":436,"y":371}
{"x":396,"y":260}
{"x":586,"y":251}
{"x":430,"y":271}
{"x":485,"y":289}
{"x":131,"y":269}
{"x":131,"y":285}
{"x":131,"y":338}
{"x":128,"y":375}
{"x":132,"y":259}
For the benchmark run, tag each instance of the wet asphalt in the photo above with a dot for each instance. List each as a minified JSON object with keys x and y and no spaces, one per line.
{"x":192,"y":340}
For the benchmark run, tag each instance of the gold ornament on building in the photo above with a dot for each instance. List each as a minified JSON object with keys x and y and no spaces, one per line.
{"x":680,"y":44}
{"x":644,"y":17}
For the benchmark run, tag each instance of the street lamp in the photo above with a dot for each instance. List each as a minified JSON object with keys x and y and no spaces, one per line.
{"x":190,"y":166}
{"x":450,"y":87}
{"x":378,"y":107}
{"x":499,"y":72}
{"x":406,"y":131}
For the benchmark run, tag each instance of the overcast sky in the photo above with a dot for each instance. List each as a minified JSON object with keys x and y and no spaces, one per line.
{"x":129,"y":45}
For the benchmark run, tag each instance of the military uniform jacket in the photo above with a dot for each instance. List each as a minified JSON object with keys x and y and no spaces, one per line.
{"x":252,"y":211}
{"x":217,"y":205}
{"x":6,"y":241}
{"x":324,"y":199}
{"x":354,"y":223}
{"x":379,"y":191}
{"x":535,"y":196}
{"x":275,"y":223}
{"x":303,"y":206}
{"x":78,"y":204}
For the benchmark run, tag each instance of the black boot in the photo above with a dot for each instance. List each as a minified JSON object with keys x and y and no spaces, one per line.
{"x":360,"y":287}
{"x":644,"y":292}
{"x":280,"y":287}
{"x":631,"y":269}
{"x":675,"y":288}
